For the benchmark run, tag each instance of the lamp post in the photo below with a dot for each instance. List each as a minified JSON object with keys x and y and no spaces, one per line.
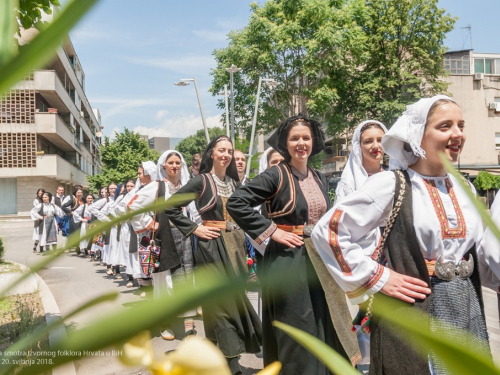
{"x":273,"y":83}
{"x":231,"y":70}
{"x":227,"y":109}
{"x":185,"y":82}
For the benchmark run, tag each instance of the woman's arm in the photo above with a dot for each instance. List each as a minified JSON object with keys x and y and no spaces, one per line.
{"x":241,"y":205}
{"x":185,"y":225}
{"x":488,"y":252}
{"x":35,"y":212}
{"x":142,"y":198}
{"x":78,"y":214}
{"x":347,"y":237}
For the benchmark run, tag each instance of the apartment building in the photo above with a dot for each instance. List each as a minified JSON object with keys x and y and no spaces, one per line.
{"x":475,"y":85}
{"x":49,"y":133}
{"x":162,"y":144}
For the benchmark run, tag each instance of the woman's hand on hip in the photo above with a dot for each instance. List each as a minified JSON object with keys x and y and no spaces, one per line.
{"x":207,"y":233}
{"x":406,"y":288}
{"x":287,"y":238}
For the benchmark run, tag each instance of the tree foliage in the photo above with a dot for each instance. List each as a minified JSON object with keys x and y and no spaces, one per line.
{"x":339,"y":61}
{"x":30,"y":11}
{"x":486,"y":181}
{"x":120,"y":158}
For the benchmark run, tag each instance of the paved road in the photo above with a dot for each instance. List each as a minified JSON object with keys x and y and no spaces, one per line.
{"x":75,"y":280}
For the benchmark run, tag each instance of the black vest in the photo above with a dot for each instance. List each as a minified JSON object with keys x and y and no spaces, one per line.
{"x":388,"y":353}
{"x":57,"y":201}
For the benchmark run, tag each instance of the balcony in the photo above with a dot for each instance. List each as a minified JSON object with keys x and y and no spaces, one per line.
{"x":52,"y":166}
{"x":53,"y":127}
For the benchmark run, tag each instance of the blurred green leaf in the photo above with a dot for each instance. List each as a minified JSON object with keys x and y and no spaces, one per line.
{"x":333,"y":360}
{"x":477,"y":203}
{"x":8,"y":27}
{"x":74,"y":239}
{"x":41,"y":49}
{"x":459,"y":359}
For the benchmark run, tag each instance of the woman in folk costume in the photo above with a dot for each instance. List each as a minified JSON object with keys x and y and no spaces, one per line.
{"x":296,"y":197}
{"x":36,"y":202}
{"x":69,"y":206}
{"x":100,"y":210}
{"x":430,"y":246}
{"x":82,"y":215}
{"x":143,"y":224}
{"x":364,"y":159}
{"x":96,"y":210}
{"x":44,"y":214}
{"x":128,"y":245}
{"x":176,"y":256}
{"x":116,"y":257}
{"x":232,"y":323}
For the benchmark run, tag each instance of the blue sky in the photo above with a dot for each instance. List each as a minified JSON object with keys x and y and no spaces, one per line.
{"x":133,"y":51}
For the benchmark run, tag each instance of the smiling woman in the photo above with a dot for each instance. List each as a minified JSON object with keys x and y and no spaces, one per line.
{"x":432,"y":244}
{"x":296,"y":198}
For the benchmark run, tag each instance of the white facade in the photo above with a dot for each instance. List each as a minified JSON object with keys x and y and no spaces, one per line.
{"x":48,"y":131}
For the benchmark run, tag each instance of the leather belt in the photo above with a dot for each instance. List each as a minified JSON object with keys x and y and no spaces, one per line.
{"x":221,"y":224}
{"x":301,"y":230}
{"x":448,"y":270}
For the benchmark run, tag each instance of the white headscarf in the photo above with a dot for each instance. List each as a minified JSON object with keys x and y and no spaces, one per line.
{"x":183,"y":173}
{"x":354,"y":174}
{"x":149,"y":168}
{"x":409,"y":128}
{"x":263,"y":160}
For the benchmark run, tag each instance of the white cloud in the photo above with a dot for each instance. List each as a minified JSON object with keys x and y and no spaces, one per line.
{"x":178,"y":64}
{"x":161,"y":114}
{"x":123,"y":104}
{"x":179,"y":127}
{"x":211,"y":35}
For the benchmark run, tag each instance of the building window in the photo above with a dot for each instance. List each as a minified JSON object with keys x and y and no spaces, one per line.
{"x":497,"y":141}
{"x":18,"y":107}
{"x":457,"y":64}
{"x":487,"y":66}
{"x":17,"y":150}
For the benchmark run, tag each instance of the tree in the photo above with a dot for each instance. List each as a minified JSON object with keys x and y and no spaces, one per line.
{"x":120,"y":158}
{"x":294,"y":42}
{"x":339,"y":61}
{"x":404,"y":60}
{"x":29,"y":12}
{"x":486,"y":181}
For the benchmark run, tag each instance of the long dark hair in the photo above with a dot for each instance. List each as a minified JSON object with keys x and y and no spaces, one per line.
{"x":39,"y":198}
{"x":207,"y":162}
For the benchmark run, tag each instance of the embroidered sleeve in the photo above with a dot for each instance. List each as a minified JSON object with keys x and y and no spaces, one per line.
{"x":266,"y":234}
{"x":347,"y":236}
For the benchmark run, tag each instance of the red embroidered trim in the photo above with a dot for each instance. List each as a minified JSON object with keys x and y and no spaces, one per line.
{"x":131,"y":201}
{"x":368,"y":285}
{"x":446,"y":232}
{"x":333,"y":240}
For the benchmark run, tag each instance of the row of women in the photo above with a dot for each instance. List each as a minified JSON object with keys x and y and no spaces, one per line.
{"x":432,"y":256}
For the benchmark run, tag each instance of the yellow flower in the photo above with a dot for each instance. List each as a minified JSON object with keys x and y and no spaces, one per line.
{"x":193,"y":356}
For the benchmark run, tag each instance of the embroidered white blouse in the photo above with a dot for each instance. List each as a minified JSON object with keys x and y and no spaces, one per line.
{"x":446,"y":224}
{"x":135,"y":200}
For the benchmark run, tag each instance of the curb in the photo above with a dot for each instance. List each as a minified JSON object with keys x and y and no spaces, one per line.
{"x":52,"y":314}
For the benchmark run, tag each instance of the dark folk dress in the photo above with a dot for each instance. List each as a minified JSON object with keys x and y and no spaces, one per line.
{"x":233,"y":322}
{"x":294,"y":199}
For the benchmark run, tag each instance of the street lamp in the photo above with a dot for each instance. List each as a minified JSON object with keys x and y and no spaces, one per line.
{"x":227,"y":109}
{"x":231,"y":70}
{"x":185,"y":82}
{"x":272,"y":83}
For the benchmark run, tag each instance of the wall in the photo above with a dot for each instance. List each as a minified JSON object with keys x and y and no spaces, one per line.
{"x":27,"y":187}
{"x":481,"y":123}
